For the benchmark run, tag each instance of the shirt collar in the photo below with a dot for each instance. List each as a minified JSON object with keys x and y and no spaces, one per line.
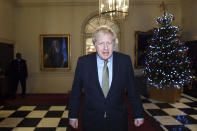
{"x":101,"y":60}
{"x":18,"y":60}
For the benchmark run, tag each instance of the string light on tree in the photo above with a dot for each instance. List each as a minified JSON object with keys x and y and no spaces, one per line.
{"x":167,"y":63}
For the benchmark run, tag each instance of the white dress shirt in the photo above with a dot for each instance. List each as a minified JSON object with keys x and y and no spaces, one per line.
{"x":100,"y":64}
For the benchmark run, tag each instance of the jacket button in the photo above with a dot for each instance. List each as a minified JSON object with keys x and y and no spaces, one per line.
{"x":105,"y":115}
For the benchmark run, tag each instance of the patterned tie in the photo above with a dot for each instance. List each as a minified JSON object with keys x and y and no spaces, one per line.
{"x":105,"y":79}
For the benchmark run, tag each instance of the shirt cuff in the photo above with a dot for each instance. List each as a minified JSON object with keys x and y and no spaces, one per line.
{"x":73,"y":119}
{"x":139,"y":118}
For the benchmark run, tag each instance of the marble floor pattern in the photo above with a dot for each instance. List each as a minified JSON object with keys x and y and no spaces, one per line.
{"x":33,"y":118}
{"x":180,"y":116}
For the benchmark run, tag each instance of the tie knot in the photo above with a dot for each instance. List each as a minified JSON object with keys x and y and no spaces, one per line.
{"x":105,"y":62}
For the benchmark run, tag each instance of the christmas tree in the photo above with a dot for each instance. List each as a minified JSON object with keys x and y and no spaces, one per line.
{"x":167,"y":63}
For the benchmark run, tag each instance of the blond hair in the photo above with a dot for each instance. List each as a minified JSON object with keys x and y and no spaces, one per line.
{"x":103,"y":30}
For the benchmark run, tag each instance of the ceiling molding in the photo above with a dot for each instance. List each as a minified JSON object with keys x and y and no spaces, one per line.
{"x":153,"y":2}
{"x":84,"y":2}
{"x":53,"y":3}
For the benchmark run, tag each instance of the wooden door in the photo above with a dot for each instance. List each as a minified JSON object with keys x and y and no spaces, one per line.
{"x":6,"y":56}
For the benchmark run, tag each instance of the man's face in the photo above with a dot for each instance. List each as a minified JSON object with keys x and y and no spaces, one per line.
{"x":104,"y":46}
{"x":18,"y":56}
{"x":54,"y":43}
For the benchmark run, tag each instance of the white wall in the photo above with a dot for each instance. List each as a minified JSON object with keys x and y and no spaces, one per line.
{"x":30,"y":22}
{"x":33,"y":18}
{"x":6,"y":21}
{"x":189,"y":19}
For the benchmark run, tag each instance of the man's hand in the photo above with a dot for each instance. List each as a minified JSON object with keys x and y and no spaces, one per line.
{"x":73,"y":123}
{"x":138,"y":122}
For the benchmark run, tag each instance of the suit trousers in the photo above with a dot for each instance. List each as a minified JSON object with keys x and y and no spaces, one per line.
{"x":103,"y":125}
{"x":16,"y":81}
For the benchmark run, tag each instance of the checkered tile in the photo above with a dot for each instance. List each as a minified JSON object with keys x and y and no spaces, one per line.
{"x":33,"y":118}
{"x":180,"y":116}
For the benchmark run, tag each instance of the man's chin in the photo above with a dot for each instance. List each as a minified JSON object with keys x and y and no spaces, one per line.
{"x":105,"y":57}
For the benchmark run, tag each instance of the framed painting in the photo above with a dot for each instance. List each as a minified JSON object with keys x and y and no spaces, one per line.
{"x":54,"y":52}
{"x":141,"y":42}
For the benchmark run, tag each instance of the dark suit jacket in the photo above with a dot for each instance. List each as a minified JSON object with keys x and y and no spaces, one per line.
{"x":95,"y":104}
{"x":15,"y":67}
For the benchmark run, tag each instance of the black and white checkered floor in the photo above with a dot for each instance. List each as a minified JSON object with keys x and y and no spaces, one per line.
{"x":33,"y":118}
{"x":181,"y":116}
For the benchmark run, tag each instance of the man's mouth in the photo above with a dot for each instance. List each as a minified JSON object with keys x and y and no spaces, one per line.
{"x":105,"y":53}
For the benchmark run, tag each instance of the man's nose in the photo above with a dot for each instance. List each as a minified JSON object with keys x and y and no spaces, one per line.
{"x":105,"y":46}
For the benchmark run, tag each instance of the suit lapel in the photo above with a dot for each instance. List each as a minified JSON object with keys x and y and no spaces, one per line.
{"x":95,"y":74}
{"x":114,"y":68}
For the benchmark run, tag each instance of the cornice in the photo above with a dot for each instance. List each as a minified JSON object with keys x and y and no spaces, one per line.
{"x":149,"y":2}
{"x":85,"y":2}
{"x":54,"y":3}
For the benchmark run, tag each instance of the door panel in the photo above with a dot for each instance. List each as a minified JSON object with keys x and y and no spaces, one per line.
{"x":6,"y":56}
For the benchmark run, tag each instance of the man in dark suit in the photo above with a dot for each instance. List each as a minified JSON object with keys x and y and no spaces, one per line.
{"x":104,"y":76}
{"x":19,"y":73}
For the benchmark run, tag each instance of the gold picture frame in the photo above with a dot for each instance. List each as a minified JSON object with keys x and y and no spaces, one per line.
{"x":141,"y":43}
{"x":54,"y":52}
